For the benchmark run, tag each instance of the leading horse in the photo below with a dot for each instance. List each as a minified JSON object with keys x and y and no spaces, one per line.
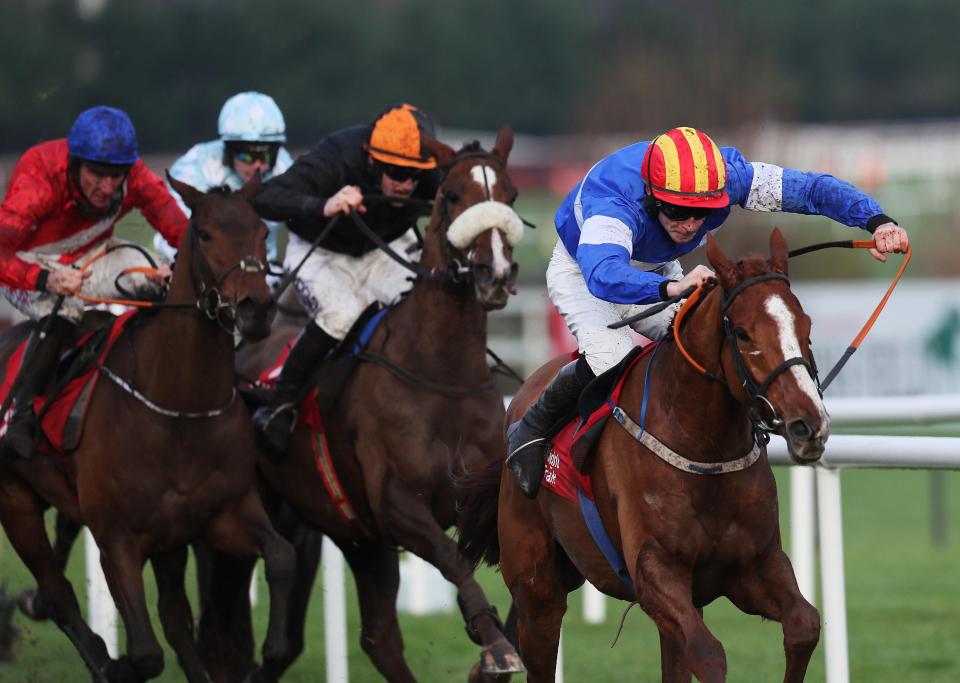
{"x":420,"y":405}
{"x":688,"y":503}
{"x":167,"y":453}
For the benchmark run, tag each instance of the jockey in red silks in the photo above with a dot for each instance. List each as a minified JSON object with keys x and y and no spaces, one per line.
{"x":623,"y":227}
{"x":56,"y":224}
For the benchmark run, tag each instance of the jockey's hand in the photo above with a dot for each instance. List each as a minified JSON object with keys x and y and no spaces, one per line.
{"x":66,"y":281}
{"x":890,"y":238}
{"x":697,"y":277}
{"x":161,"y":275}
{"x":349,"y":197}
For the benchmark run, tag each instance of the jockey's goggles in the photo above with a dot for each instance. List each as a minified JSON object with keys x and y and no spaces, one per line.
{"x":401,"y":174}
{"x":675,"y":212}
{"x":251,"y":155}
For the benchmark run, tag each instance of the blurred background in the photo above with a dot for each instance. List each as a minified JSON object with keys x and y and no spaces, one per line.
{"x":867,"y":91}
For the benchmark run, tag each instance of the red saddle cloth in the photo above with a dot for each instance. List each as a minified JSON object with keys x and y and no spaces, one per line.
{"x":62,"y":421}
{"x":308,"y":416}
{"x":560,"y":474}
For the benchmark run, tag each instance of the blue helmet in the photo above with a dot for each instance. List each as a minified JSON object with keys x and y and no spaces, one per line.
{"x":104,"y":135}
{"x":251,"y":117}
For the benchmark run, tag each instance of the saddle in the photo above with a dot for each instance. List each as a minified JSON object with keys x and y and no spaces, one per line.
{"x":62,"y":407}
{"x":572,"y":442}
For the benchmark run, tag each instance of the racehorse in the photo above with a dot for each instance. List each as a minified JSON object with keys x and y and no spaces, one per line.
{"x":420,"y":405}
{"x":167,"y":453}
{"x":687,"y":515}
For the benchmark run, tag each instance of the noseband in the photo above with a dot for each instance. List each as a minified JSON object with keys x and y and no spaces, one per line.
{"x":757,"y":392}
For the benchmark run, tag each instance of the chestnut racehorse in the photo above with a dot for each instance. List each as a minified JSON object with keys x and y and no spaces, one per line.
{"x":421,"y":404}
{"x":167,"y":453}
{"x":691,"y":518}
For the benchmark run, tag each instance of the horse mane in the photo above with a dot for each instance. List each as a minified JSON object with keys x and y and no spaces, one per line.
{"x":470,"y":148}
{"x":752,"y":265}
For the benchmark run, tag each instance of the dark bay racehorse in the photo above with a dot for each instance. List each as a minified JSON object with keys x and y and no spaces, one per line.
{"x":425,"y":406}
{"x":685,"y":538}
{"x":167,"y":453}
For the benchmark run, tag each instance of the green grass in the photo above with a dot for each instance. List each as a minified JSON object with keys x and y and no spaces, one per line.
{"x":903,"y":601}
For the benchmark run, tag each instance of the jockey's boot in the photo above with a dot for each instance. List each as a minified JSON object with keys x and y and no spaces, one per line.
{"x":526,"y":438}
{"x":41,"y":355}
{"x":278,"y":417}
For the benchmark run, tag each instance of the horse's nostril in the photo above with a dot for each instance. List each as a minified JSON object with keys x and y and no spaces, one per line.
{"x":799,"y":430}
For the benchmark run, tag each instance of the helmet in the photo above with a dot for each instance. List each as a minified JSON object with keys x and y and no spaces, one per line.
{"x":104,"y":135}
{"x":684,"y":167}
{"x":251,"y":117}
{"x":396,"y":137}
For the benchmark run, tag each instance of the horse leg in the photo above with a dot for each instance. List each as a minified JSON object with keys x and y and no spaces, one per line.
{"x":64,"y":538}
{"x":771,"y":591}
{"x":414,"y":527}
{"x":664,"y":591}
{"x":245,"y":530}
{"x":511,"y":633}
{"x":175,"y":614}
{"x":672,"y":660}
{"x":226,"y":626}
{"x":376,"y":571}
{"x":21,"y":514}
{"x":122,"y":565}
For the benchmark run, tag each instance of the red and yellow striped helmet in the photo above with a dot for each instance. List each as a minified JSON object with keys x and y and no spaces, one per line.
{"x":684,"y":167}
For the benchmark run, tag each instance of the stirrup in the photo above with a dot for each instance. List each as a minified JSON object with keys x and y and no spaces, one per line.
{"x":282,"y":408}
{"x":522,"y":446}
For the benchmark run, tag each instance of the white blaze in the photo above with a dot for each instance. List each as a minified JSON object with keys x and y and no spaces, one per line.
{"x":481,"y":171}
{"x":501,"y":264}
{"x":790,"y":345}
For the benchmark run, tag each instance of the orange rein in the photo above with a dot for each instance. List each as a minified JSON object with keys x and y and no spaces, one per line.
{"x":695,"y":297}
{"x":122,"y":302}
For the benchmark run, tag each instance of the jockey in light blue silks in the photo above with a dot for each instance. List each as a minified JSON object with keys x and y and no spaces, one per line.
{"x":621,"y":230}
{"x":252,"y":132}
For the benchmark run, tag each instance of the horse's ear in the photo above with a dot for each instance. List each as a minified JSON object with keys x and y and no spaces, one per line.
{"x":250,"y":188}
{"x":504,"y":143}
{"x":442,"y":153}
{"x":725,"y":268}
{"x":779,"y":253}
{"x":191,"y":196}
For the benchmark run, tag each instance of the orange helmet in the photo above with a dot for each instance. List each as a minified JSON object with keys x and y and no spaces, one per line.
{"x":684,"y":167}
{"x":396,"y":135}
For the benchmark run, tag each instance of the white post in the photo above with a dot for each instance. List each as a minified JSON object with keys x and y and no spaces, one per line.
{"x":594,"y":604}
{"x":558,"y":678}
{"x":802,"y":530}
{"x":423,"y":590}
{"x":253,"y":586}
{"x":831,"y":570}
{"x":101,"y":611}
{"x":334,"y":613}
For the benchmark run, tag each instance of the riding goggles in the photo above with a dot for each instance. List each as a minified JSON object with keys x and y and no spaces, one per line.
{"x":676,"y":212}
{"x":251,"y":155}
{"x":401,"y":174}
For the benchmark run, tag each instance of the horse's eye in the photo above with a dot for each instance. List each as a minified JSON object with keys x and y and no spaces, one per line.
{"x":451,"y":196}
{"x":742,"y":334}
{"x":204,"y":236}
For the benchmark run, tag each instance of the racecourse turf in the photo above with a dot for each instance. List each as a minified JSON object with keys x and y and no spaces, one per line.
{"x":903,"y":604}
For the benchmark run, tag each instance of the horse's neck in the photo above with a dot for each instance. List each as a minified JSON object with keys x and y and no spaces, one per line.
{"x":702,"y":413}
{"x":182,"y":354}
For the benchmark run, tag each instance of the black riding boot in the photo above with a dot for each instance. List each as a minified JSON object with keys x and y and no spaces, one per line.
{"x":41,"y":358}
{"x":526,"y":438}
{"x":277,"y":418}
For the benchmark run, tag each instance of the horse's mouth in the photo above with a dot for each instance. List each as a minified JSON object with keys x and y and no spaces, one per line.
{"x":806,"y":451}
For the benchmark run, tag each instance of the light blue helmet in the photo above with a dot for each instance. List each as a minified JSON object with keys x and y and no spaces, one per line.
{"x":252,"y":117}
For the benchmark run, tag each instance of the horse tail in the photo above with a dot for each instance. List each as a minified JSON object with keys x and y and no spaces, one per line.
{"x":477,"y":494}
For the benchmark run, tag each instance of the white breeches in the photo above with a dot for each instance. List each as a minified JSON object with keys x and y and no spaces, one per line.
{"x":587,"y":316}
{"x":335,"y":288}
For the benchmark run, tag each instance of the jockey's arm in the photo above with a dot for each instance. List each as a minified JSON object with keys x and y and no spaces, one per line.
{"x":302,"y":190}
{"x":28,"y":200}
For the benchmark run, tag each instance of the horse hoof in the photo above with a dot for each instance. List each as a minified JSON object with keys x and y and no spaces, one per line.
{"x":120,"y":671}
{"x":500,"y":658}
{"x":32,"y":605}
{"x":477,"y":676}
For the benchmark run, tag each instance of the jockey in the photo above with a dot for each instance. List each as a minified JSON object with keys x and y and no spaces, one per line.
{"x":252,"y":132}
{"x":346,"y":272}
{"x":63,"y":200}
{"x":621,"y":231}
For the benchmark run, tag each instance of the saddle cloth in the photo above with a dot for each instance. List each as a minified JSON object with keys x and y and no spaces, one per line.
{"x":569,"y":447}
{"x":62,"y":412}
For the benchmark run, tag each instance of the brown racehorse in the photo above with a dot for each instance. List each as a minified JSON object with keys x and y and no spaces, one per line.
{"x":402,"y":424}
{"x":685,"y":538}
{"x":167,"y":458}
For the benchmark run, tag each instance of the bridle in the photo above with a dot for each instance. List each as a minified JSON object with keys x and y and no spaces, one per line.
{"x":756,"y":393}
